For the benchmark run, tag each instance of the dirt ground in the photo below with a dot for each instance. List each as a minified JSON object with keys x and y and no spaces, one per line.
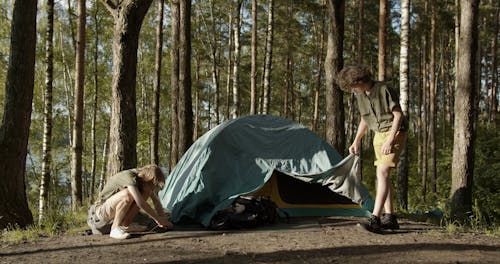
{"x":302,"y":240}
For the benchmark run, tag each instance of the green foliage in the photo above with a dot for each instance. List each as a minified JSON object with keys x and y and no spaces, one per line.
{"x":56,"y":223}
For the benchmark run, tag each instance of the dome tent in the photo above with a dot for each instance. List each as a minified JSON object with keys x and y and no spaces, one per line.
{"x":253,"y":154}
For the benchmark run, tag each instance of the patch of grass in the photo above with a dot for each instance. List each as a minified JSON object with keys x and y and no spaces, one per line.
{"x":56,"y":223}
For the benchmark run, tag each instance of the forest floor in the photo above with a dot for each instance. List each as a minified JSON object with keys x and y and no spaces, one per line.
{"x":301,"y":240}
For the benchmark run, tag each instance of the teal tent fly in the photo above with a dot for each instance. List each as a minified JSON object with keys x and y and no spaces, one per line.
{"x":239,"y":156}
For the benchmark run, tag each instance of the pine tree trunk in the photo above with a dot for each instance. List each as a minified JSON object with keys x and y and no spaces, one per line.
{"x":382,"y":35}
{"x":157,"y":85}
{"x":16,"y":120}
{"x":77,"y":147}
{"x":174,"y":82}
{"x":94,"y":106}
{"x":494,"y":63}
{"x":463,"y":144}
{"x":432,"y":101}
{"x":253,"y":72}
{"x":319,"y":59}
{"x":47,"y":115}
{"x":185,"y":102}
{"x":266,"y":103}
{"x":335,"y":131}
{"x":128,"y":17}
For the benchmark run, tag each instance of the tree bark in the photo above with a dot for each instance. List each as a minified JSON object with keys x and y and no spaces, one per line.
{"x":463,"y":144}
{"x":404,"y":87}
{"x":432,"y":101}
{"x":335,"y":131}
{"x":235,"y":112}
{"x":253,"y":72}
{"x":266,"y":104}
{"x":157,"y":85}
{"x":382,"y":35}
{"x":14,"y":132}
{"x":77,"y":147}
{"x":94,"y":106}
{"x":174,"y":82}
{"x":185,"y":101}
{"x":47,"y":115}
{"x":128,"y":16}
{"x":319,"y":58}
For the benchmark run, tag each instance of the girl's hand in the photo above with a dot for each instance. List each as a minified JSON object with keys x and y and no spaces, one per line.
{"x":386,"y":147}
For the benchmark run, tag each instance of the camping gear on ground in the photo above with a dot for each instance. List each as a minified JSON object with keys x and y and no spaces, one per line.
{"x":264,"y":155}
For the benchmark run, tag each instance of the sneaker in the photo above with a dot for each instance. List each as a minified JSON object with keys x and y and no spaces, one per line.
{"x":134,"y":227}
{"x":118,"y":233}
{"x":374,"y":225}
{"x":389,"y":221}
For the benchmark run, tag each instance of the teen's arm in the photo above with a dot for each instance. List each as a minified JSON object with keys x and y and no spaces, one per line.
{"x":159,"y":208}
{"x":398,"y":114}
{"x":141,"y":203}
{"x":355,"y":148}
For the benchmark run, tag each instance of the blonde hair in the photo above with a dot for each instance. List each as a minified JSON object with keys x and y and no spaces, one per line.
{"x":152,"y":173}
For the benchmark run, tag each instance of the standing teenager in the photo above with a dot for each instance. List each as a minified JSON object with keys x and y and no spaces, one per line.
{"x":380,"y":111}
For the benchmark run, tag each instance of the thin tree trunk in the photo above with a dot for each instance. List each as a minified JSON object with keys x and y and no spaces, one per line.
{"x":404,"y":86}
{"x":432,"y":101}
{"x":128,"y":17}
{"x":494,"y":62}
{"x":185,"y":102}
{"x":253,"y":72}
{"x":229,"y":61}
{"x":94,"y":106}
{"x":266,"y":104}
{"x":157,"y":85}
{"x":14,"y":131}
{"x":319,"y":60}
{"x":47,"y":115}
{"x":77,"y":147}
{"x":382,"y":35}
{"x":463,"y":145}
{"x":174,"y":82}
{"x":235,"y":112}
{"x":335,"y":135}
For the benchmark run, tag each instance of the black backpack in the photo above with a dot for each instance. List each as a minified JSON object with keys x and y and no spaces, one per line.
{"x":257,"y":211}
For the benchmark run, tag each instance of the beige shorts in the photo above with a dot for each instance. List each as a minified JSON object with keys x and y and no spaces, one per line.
{"x":105,"y":212}
{"x":392,"y":158}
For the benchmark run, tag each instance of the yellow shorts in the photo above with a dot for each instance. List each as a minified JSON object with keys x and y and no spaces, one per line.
{"x":392,"y":158}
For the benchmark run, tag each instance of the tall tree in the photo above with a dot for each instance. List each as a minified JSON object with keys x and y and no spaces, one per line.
{"x":16,"y":119}
{"x":185,"y":112}
{"x":77,"y":147}
{"x":266,"y":100}
{"x":382,"y":36}
{"x":235,"y":112}
{"x":94,"y":105}
{"x":253,"y":72}
{"x":333,"y":64}
{"x":494,"y":63}
{"x":47,"y":114}
{"x":127,"y":16}
{"x":156,"y":85}
{"x":319,"y":59}
{"x":463,"y":137}
{"x":432,"y":100}
{"x":404,"y":88}
{"x":174,"y":82}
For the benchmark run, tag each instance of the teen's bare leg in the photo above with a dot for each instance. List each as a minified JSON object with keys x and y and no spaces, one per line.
{"x":383,"y":189}
{"x":388,"y":205}
{"x":134,"y":209}
{"x":120,"y":202}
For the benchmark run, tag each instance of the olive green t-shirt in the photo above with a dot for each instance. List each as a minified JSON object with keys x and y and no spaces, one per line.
{"x":376,"y":108}
{"x":117,"y":183}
